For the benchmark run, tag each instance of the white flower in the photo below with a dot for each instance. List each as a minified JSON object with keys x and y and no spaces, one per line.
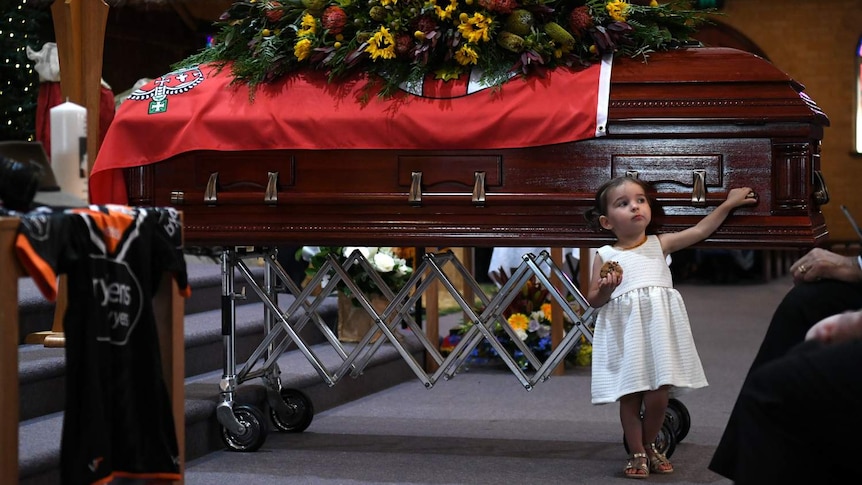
{"x":401,"y":267}
{"x":348,"y":250}
{"x":543,"y":331}
{"x":521,"y":334}
{"x":383,"y":262}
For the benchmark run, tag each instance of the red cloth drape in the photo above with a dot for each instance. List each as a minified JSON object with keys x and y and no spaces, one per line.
{"x":202,"y":109}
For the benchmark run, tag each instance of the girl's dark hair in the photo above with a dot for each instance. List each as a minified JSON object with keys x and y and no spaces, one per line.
{"x":600,"y":207}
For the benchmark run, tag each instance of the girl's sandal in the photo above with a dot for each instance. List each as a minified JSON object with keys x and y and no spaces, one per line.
{"x":658,"y":463}
{"x":637,"y":466}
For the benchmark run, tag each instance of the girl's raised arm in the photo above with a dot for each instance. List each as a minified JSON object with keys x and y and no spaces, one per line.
{"x":675,"y":241}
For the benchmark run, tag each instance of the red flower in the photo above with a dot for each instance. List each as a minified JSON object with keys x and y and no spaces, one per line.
{"x":499,"y":6}
{"x":273,"y":11}
{"x":426,"y":24}
{"x":580,"y":20}
{"x":334,"y":19}
{"x":403,"y":44}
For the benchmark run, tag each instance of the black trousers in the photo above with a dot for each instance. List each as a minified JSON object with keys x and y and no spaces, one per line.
{"x":787,"y":403}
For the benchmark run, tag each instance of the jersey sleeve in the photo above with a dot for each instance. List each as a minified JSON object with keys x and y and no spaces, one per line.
{"x":168,"y":247}
{"x":40,"y":246}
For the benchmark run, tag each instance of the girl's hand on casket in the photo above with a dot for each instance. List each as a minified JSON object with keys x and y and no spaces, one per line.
{"x":741,"y":196}
{"x":820,"y":264}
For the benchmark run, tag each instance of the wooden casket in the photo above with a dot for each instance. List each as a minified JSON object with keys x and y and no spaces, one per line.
{"x":695,"y":122}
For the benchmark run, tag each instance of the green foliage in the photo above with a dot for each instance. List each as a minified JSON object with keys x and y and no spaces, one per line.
{"x":401,"y":41}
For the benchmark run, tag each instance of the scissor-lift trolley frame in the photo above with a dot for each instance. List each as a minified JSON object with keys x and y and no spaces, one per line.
{"x":243,"y":426}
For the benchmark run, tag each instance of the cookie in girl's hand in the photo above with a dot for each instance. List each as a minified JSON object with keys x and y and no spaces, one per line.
{"x":610,"y":266}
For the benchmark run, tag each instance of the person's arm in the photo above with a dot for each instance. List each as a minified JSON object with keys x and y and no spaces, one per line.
{"x":601,"y":288}
{"x":837,"y":328}
{"x":675,"y":241}
{"x":819,"y":263}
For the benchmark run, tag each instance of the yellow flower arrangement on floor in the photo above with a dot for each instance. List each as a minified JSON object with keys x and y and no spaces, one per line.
{"x":404,"y":41}
{"x":529,"y":316}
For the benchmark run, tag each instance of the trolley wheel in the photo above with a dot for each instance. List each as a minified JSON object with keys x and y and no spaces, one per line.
{"x":299,"y":414}
{"x":255,"y":430}
{"x":680,"y":419}
{"x":665,"y":442}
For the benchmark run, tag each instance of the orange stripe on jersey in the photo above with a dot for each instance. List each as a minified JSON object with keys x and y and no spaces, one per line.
{"x":113,"y":225}
{"x":41,"y":272}
{"x":162,"y":476}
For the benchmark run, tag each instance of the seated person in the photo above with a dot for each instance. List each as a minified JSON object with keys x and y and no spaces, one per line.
{"x":798,"y":415}
{"x":827,"y":284}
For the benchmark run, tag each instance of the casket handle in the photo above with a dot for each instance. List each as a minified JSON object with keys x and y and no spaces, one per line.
{"x":211,"y":192}
{"x":698,"y":188}
{"x":821,"y":193}
{"x":632,"y":173}
{"x":415,"y":195}
{"x":270,"y":197}
{"x":479,"y":189}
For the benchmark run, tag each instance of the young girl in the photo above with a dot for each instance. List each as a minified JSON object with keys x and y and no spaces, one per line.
{"x":642,"y":346}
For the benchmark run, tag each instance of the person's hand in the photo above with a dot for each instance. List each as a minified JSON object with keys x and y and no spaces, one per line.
{"x":819,"y":263}
{"x":610,"y":281}
{"x":604,"y":287}
{"x":837,"y":328}
{"x":741,"y":196}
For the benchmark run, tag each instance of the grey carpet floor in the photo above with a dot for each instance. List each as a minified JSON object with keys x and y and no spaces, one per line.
{"x":483,"y":427}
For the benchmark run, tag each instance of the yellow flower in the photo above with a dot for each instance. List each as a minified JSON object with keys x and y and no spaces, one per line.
{"x":381,"y":44}
{"x":585,"y":354}
{"x":302,"y":49}
{"x":445,"y":13}
{"x":308,"y":26}
{"x":466,"y":55}
{"x":447,"y":73}
{"x":618,"y":9}
{"x":388,"y":2}
{"x":546,"y":309}
{"x":519,"y":321}
{"x":653,"y":3}
{"x":475,"y":28}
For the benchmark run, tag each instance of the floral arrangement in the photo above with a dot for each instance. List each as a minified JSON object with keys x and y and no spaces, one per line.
{"x":387,"y":262}
{"x":529,"y":315}
{"x":404,"y":41}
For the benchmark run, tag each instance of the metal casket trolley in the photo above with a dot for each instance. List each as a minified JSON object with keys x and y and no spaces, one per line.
{"x":290,"y":410}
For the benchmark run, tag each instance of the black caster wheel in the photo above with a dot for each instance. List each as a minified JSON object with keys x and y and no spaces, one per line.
{"x":665,"y":442}
{"x":255,"y":430}
{"x":299,"y":412}
{"x":679,"y":418}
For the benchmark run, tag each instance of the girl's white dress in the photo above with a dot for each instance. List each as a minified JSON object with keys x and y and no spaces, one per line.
{"x":642,"y":338}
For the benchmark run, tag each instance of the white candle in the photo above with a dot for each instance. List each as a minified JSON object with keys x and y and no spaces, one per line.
{"x":69,"y":148}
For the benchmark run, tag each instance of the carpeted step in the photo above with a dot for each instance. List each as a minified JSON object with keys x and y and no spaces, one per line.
{"x":41,"y":370}
{"x":39,"y":445}
{"x":36,"y":314}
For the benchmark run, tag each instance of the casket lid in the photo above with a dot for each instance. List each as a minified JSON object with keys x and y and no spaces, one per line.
{"x":707,"y":84}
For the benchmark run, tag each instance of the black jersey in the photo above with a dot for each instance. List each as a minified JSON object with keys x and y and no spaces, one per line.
{"x":118,"y":420}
